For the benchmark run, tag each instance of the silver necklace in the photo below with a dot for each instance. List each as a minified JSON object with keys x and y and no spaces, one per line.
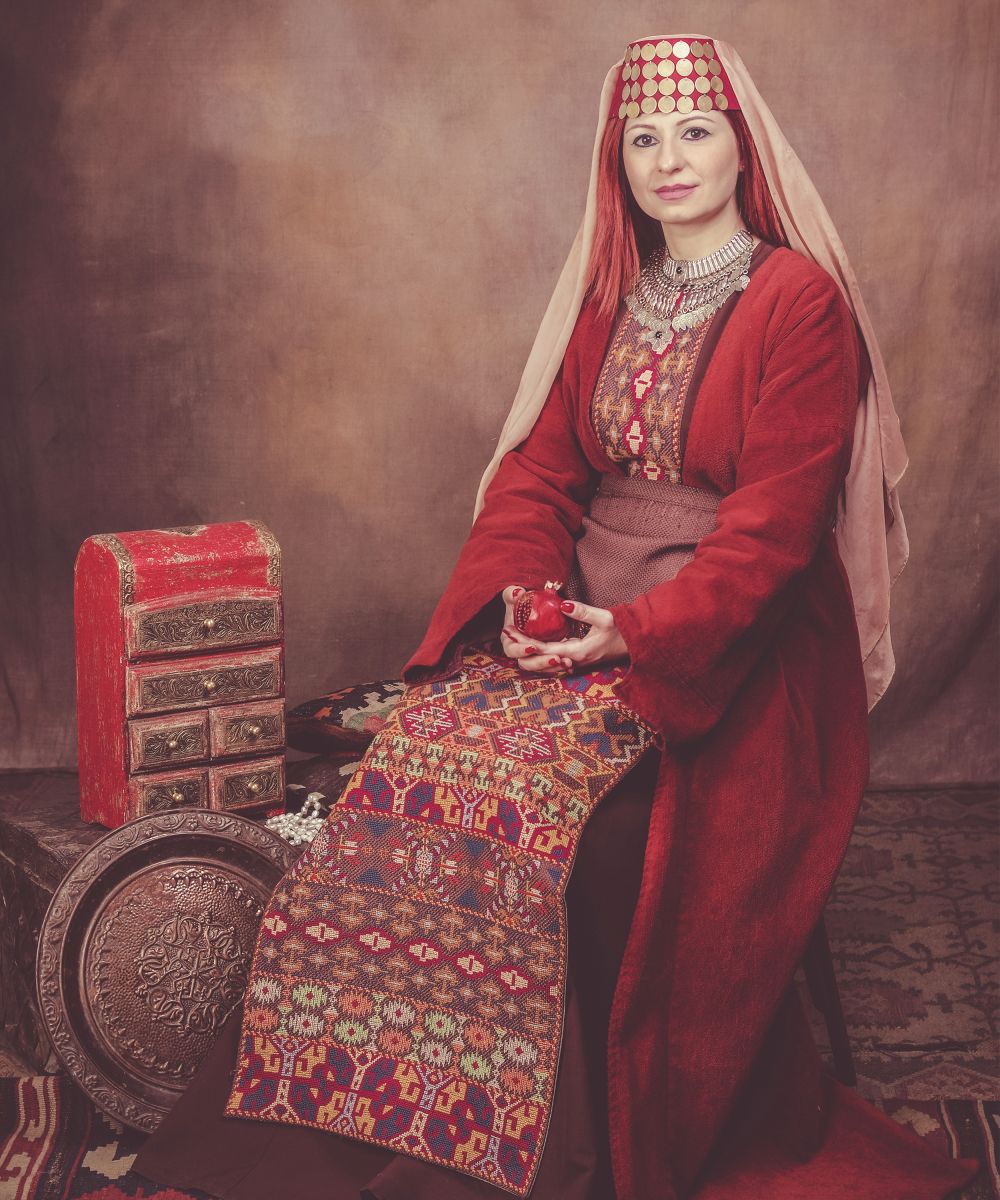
{"x":673,"y":294}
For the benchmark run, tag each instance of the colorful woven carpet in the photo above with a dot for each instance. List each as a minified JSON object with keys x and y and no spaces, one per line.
{"x":55,"y":1145}
{"x":408,"y":982}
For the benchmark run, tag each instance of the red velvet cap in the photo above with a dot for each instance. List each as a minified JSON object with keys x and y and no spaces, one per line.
{"x":672,"y":74}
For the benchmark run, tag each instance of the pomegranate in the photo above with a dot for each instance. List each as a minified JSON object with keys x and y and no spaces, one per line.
{"x":537,"y":613}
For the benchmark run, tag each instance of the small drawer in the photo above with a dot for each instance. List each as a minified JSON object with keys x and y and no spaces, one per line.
{"x":199,"y":682}
{"x":158,"y":742}
{"x":174,"y":789}
{"x":248,"y":784}
{"x":179,"y":626}
{"x":246,"y":728}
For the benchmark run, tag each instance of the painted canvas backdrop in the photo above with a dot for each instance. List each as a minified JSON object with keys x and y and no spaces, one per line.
{"x":285,"y":259}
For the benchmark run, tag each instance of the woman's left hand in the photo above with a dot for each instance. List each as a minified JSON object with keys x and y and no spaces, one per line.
{"x":601,"y":643}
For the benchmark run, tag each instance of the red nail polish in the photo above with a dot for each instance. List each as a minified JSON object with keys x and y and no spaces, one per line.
{"x":566,"y":605}
{"x":516,"y":592}
{"x":553,"y":662}
{"x":530,"y":650}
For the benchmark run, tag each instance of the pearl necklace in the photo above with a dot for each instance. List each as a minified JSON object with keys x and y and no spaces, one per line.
{"x":673,"y":294}
{"x":302,"y":826}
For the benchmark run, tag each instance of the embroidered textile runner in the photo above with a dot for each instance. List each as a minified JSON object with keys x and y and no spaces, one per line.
{"x":637,"y":410}
{"x":408,"y":982}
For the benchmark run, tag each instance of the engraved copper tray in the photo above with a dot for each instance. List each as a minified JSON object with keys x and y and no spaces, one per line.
{"x":145,"y":950}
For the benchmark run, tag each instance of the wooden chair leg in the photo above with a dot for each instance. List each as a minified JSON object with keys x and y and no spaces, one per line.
{"x":817,"y":964}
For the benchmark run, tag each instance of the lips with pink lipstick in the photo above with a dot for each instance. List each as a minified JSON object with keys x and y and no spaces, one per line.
{"x":675,"y":191}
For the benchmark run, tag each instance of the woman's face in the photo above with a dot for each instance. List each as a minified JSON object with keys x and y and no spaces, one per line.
{"x":665,"y":150}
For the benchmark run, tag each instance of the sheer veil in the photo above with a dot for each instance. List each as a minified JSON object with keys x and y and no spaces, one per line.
{"x":870,"y":531}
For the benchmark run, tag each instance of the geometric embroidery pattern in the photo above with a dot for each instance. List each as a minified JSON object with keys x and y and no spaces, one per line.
{"x":638,"y":403}
{"x":408,"y":981}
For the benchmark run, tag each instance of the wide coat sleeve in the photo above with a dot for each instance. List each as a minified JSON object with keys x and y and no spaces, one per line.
{"x":525,"y":533}
{"x":694,"y":639}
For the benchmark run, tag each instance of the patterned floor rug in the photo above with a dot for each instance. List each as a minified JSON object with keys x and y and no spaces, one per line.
{"x":916,"y":944}
{"x":55,"y":1145}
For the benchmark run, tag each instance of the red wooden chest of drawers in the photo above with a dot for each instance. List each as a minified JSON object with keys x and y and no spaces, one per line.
{"x":179,"y":671}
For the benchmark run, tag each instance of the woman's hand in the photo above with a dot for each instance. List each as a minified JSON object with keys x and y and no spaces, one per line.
{"x":527,"y":653}
{"x":602,"y":642}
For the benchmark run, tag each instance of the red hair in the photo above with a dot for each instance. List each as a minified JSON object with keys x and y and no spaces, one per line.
{"x":624,"y":235}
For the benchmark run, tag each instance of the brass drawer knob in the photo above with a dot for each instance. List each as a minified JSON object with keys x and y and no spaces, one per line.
{"x":253,"y":785}
{"x":208,"y":686}
{"x":173,"y":743}
{"x":177,"y":795}
{"x":254,"y":732}
{"x":208,"y":624}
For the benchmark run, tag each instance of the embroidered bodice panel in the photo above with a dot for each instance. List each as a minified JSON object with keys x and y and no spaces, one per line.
{"x":638,"y":404}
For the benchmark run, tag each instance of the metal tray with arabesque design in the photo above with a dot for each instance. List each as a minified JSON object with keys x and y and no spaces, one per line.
{"x":145,"y":950}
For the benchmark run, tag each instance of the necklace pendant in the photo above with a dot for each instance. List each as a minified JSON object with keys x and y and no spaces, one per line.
{"x":659,"y":339}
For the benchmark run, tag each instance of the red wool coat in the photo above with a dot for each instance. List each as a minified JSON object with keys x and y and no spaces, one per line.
{"x":748,"y":665}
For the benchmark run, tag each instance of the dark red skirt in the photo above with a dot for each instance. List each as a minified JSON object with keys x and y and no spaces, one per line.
{"x":197,"y":1146}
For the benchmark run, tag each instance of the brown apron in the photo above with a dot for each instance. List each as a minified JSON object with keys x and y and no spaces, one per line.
{"x":638,"y":532}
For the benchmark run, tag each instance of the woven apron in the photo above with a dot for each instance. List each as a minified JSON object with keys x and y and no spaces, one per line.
{"x":637,"y":533}
{"x":408,"y":983}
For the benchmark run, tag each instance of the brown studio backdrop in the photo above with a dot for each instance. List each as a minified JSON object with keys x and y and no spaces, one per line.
{"x":285,"y":260}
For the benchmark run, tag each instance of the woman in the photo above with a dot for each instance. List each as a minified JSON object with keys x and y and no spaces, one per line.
{"x":705,"y":449}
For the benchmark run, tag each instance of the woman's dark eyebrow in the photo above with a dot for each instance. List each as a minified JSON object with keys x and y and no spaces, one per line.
{"x":683,"y":121}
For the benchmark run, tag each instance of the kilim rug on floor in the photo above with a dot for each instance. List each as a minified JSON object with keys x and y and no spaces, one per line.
{"x":409,"y":977}
{"x":55,"y":1145}
{"x":916,"y":944}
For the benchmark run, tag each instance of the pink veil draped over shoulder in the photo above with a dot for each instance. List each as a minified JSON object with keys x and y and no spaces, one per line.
{"x":870,"y":531}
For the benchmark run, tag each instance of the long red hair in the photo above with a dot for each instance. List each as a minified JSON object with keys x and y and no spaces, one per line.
{"x":624,"y":235}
